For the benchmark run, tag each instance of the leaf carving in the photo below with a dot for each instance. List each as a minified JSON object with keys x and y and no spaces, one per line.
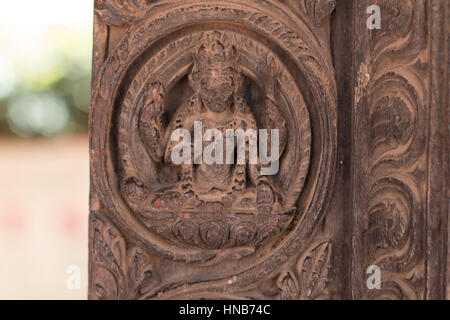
{"x":140,"y":271}
{"x":322,"y":9}
{"x":120,"y":12}
{"x":116,"y":273}
{"x":288,"y":287}
{"x":313,"y":271}
{"x":108,"y":248}
{"x":317,"y":10}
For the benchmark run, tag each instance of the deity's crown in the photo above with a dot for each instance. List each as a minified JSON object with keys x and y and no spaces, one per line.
{"x":215,"y":50}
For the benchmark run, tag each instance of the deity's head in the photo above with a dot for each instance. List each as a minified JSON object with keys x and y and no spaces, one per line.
{"x":216,"y":73}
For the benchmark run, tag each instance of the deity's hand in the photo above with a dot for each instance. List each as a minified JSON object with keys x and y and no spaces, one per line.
{"x":150,"y":121}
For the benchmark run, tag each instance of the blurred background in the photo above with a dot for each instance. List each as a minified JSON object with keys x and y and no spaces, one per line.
{"x":45,"y":65}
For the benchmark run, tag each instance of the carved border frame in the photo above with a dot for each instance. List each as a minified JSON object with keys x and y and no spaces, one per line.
{"x":406,"y":185}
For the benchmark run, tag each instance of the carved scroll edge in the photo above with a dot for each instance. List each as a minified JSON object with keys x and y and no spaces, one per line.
{"x":425,"y":269}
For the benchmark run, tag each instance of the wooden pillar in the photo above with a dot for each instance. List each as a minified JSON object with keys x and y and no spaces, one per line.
{"x":362,"y":121}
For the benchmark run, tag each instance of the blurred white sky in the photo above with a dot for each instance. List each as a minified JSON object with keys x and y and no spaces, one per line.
{"x":24,"y":24}
{"x":28,"y":29}
{"x":36,"y":15}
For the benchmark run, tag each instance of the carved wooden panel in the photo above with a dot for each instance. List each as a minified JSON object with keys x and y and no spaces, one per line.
{"x":362,"y":122}
{"x":400,"y":202}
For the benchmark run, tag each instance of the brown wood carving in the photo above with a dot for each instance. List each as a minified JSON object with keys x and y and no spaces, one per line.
{"x":394,"y":98}
{"x":357,"y":165}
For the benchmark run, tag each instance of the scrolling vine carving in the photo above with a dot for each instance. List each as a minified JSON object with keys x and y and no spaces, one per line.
{"x":395,"y":78}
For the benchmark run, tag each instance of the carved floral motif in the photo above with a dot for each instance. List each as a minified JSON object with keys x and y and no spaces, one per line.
{"x":396,"y":103}
{"x":309,"y":281}
{"x":116,"y":271}
{"x":121,"y":12}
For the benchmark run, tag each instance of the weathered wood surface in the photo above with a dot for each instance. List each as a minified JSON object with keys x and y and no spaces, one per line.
{"x":363,"y":121}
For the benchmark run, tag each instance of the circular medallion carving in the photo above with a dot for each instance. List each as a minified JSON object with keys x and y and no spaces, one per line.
{"x":272,"y":76}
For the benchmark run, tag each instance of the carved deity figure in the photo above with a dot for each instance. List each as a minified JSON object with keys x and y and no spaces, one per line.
{"x":216,"y":79}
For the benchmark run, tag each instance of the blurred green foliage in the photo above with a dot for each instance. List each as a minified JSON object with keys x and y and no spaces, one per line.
{"x":46,"y":90}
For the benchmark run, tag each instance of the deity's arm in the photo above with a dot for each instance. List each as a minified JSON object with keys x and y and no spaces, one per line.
{"x":151,"y":130}
{"x":246,"y":121}
{"x":181,"y":120}
{"x":265,"y":197}
{"x":184,"y":119}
